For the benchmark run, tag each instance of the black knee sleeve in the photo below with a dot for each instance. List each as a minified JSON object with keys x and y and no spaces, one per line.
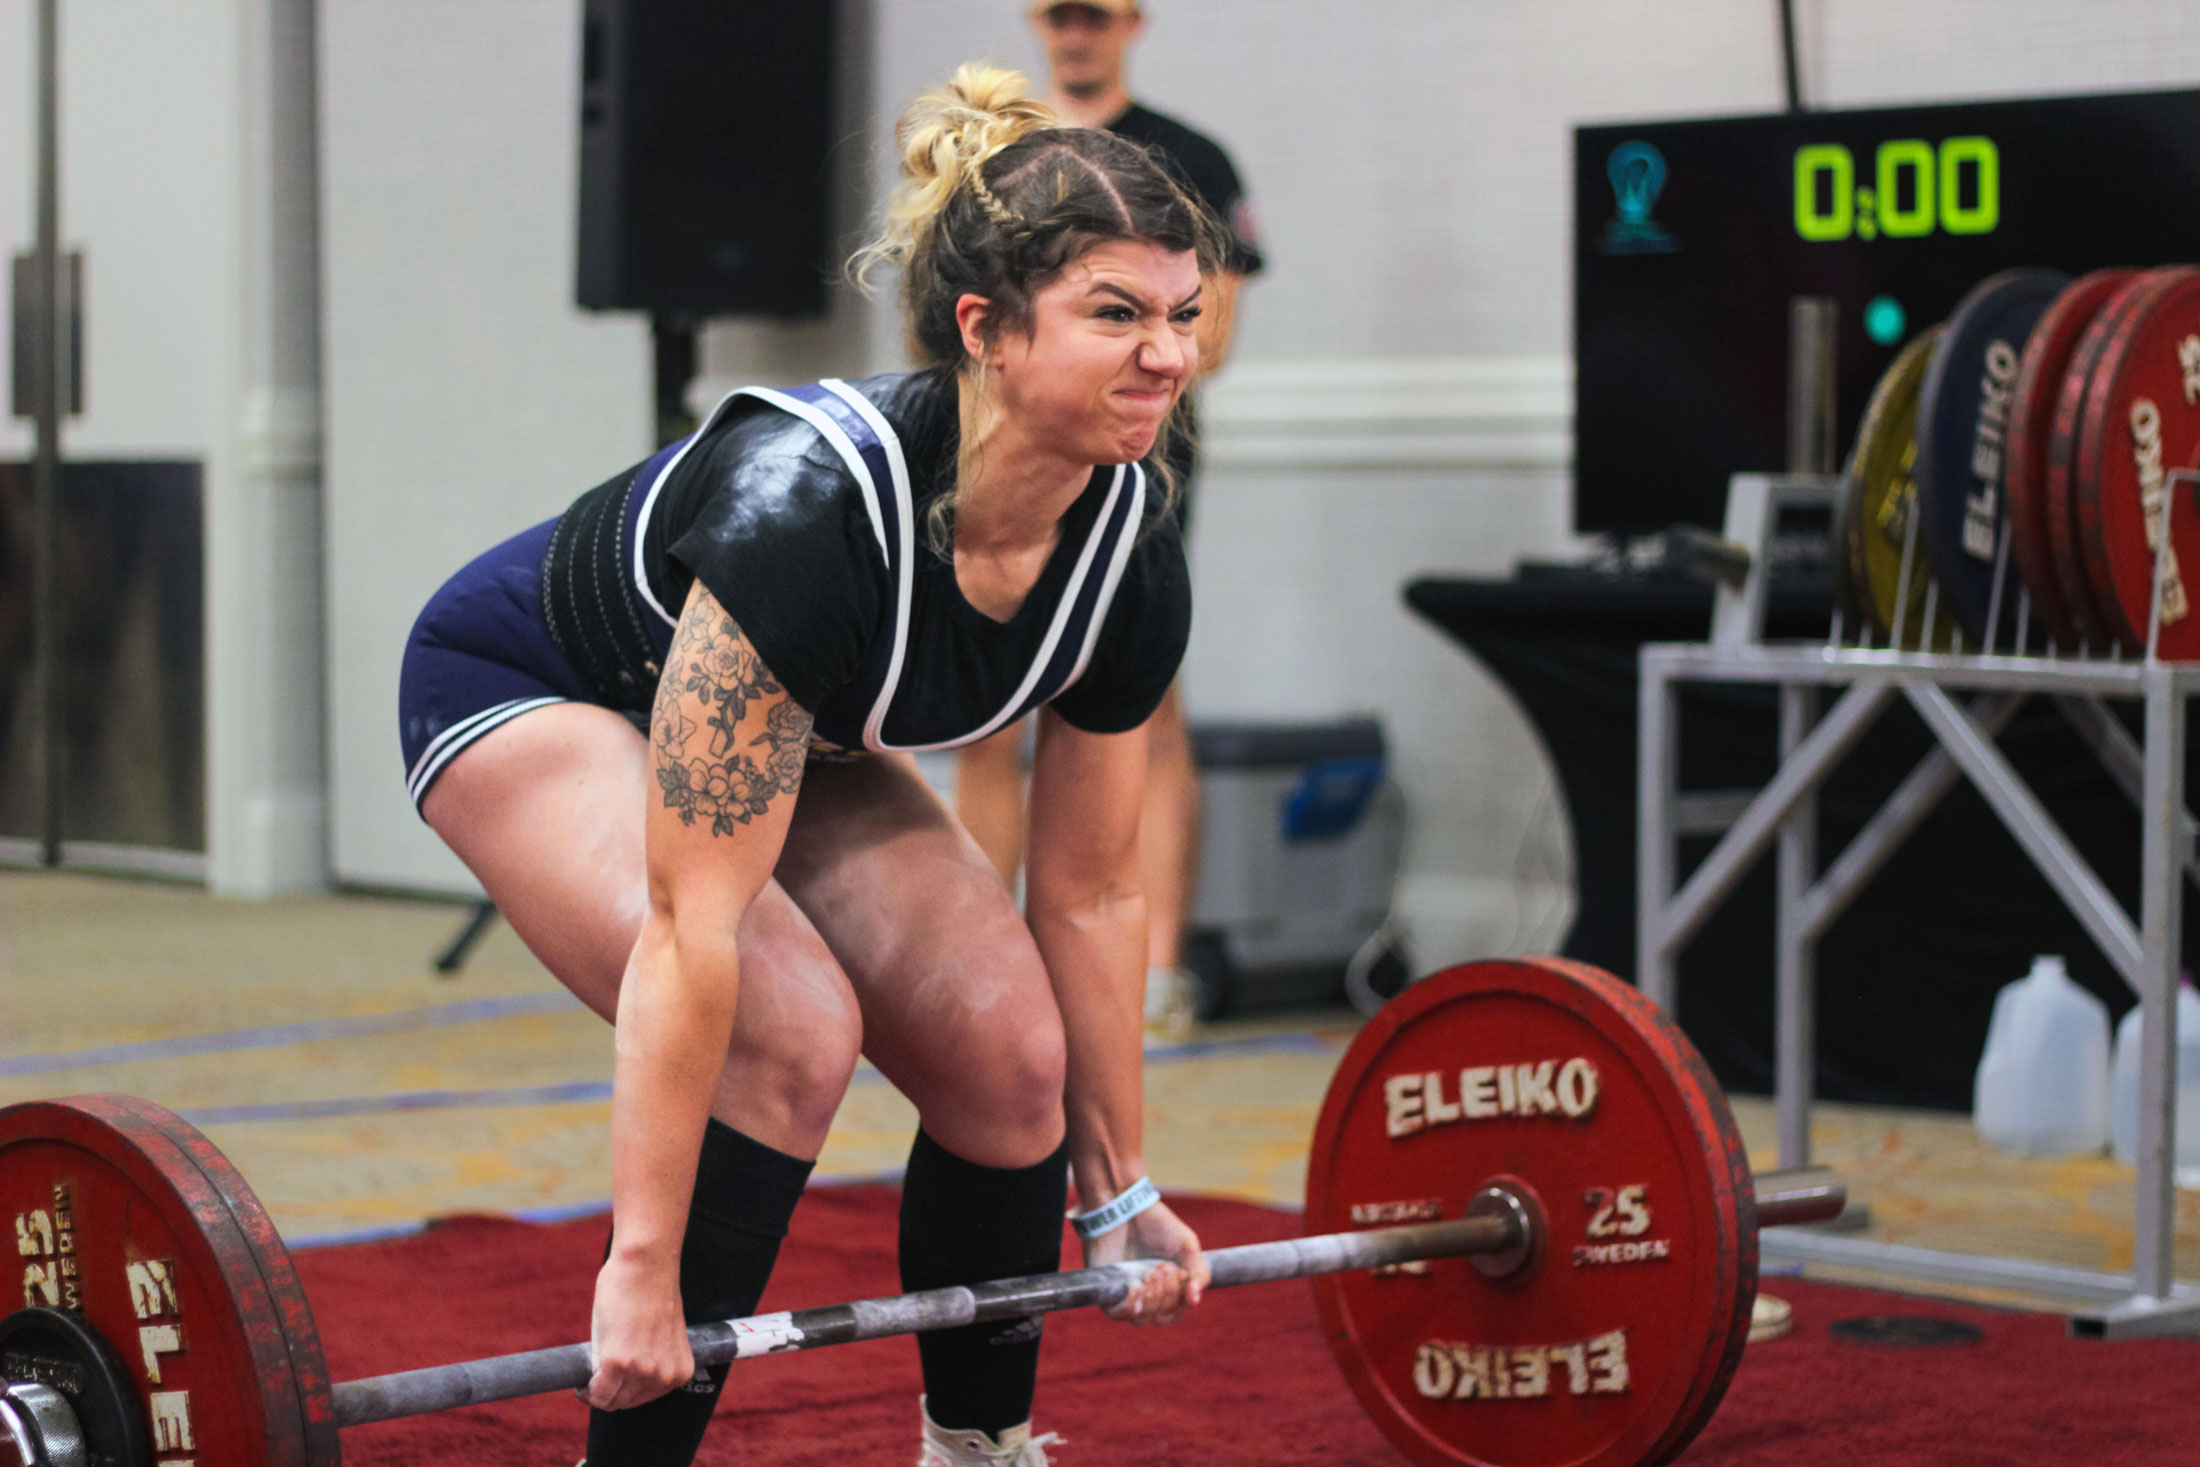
{"x":744,"y":1194}
{"x":962,"y":1223}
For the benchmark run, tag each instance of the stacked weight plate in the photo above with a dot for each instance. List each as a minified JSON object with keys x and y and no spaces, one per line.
{"x":2042,"y":540}
{"x":2138,"y":418}
{"x":1962,"y":441}
{"x":1885,"y":569}
{"x":2012,"y":479}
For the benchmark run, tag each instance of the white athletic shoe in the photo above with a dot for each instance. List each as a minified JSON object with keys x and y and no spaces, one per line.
{"x":1171,"y":1003}
{"x":1014,"y":1447}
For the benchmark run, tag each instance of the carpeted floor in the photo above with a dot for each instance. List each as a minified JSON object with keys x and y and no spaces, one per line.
{"x":1246,"y":1381}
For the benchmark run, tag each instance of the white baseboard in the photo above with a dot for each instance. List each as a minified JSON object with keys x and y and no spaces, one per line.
{"x":1392,"y":413}
{"x":120,"y":860}
{"x":105,"y":858}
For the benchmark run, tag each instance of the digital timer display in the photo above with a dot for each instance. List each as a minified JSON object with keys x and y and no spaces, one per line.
{"x":1691,"y":238}
{"x":1914,"y":188}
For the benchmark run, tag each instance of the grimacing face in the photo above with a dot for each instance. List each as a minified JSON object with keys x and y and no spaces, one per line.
{"x":1112,"y":346}
{"x":1085,"y":46}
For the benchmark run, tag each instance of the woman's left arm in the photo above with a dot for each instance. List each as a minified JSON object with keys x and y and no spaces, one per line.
{"x":1087,"y":912}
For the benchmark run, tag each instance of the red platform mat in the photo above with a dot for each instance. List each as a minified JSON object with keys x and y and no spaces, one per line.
{"x":1247,"y":1380}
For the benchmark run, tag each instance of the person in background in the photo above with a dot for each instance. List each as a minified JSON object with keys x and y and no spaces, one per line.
{"x":1086,"y":44}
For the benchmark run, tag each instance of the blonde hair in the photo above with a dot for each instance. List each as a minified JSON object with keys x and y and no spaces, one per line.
{"x":996,"y":198}
{"x":947,"y":136}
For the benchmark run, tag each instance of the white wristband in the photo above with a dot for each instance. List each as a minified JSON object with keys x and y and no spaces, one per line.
{"x":1128,"y":1203}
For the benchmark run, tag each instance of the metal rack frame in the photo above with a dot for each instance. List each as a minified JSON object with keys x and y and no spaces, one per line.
{"x":1783,"y":814}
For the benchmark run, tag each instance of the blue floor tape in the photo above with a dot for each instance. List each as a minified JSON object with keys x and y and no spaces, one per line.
{"x":582,"y":1092}
{"x":573,"y":1093}
{"x":275,"y":1036}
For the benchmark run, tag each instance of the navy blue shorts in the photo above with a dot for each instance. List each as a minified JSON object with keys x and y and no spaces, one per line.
{"x":479,"y":657}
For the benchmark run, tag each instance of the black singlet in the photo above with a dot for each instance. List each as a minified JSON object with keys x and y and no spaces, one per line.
{"x":792,"y":511}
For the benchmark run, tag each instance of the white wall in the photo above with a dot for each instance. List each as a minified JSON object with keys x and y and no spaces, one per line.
{"x":466,"y":396}
{"x":18,"y":122}
{"x":1398,"y":402}
{"x":146,"y":172}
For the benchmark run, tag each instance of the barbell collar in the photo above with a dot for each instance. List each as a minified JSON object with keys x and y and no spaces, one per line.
{"x":38,"y":1428}
{"x":1799,"y":1196}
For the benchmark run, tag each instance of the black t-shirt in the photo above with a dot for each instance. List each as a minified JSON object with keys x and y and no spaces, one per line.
{"x":765,"y":512}
{"x":1200,"y":162}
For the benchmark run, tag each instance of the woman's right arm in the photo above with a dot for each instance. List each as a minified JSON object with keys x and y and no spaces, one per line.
{"x":726,"y":752}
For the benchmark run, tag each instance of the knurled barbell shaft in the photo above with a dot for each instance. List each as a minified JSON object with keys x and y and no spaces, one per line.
{"x":566,"y":1367}
{"x":1783,"y":1198}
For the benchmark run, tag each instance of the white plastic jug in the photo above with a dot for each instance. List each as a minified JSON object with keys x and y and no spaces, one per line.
{"x":2043,"y":1082}
{"x":2125,"y":1106}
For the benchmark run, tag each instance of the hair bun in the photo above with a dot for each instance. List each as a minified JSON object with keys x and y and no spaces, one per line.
{"x":952,"y":130}
{"x":946,"y":137}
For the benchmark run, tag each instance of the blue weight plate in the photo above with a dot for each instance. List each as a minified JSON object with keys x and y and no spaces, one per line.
{"x":1963,"y":440}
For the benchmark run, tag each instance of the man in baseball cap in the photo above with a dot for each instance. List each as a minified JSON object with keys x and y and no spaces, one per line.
{"x":1085,"y":42}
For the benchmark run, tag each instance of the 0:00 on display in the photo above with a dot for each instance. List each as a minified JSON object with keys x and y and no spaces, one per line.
{"x":1914,"y":189}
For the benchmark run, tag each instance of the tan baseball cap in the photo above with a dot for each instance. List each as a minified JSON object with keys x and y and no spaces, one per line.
{"x":1112,"y":7}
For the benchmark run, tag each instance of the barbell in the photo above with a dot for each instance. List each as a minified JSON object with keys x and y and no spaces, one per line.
{"x":1530,"y":1223}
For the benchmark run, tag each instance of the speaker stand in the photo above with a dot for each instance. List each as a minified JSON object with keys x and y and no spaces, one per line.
{"x":673,"y":342}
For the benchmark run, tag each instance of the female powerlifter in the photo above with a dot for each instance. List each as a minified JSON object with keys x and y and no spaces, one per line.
{"x":669,"y":733}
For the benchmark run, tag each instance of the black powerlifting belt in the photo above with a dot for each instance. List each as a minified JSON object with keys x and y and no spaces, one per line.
{"x":590,"y":604}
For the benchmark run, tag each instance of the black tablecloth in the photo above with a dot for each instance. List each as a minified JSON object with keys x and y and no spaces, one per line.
{"x":1907,"y":977}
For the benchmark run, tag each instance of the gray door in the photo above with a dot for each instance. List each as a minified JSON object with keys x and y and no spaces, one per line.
{"x":130,"y":633}
{"x":101,"y":553}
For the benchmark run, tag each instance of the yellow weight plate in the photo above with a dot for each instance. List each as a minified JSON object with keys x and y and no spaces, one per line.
{"x":1883,"y":490}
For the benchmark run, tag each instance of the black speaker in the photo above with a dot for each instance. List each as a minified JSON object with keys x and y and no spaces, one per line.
{"x":706,"y":130}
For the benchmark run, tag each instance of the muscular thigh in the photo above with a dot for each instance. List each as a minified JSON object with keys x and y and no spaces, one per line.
{"x":547,"y":812}
{"x":957,"y":1009}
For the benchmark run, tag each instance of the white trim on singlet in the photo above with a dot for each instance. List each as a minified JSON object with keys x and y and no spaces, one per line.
{"x":811,"y":415}
{"x":649,"y":502}
{"x":1124,"y":544}
{"x":446,"y":745}
{"x":832,"y":433}
{"x":1063,"y":611}
{"x":905,"y":566}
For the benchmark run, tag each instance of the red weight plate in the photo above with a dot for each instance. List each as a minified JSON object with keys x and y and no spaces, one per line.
{"x":127,"y":1216}
{"x":1617,"y":1346}
{"x":2032,"y":529}
{"x":2140,"y":420}
{"x":2067,"y":506}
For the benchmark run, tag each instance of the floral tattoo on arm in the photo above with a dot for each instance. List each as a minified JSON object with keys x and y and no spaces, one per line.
{"x":718,"y":778}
